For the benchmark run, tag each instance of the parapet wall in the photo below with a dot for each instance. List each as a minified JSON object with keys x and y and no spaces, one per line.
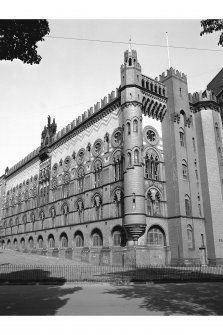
{"x":202,"y":96}
{"x":172,"y":72}
{"x":71,"y":126}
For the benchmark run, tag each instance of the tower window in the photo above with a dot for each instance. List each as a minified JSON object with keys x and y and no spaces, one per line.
{"x":130,"y":61}
{"x":135,"y":126}
{"x":136,"y":156}
{"x":194,"y":145}
{"x":129,"y":159}
{"x":184,"y":169}
{"x":182,"y":138}
{"x":187,"y":205}
{"x":190,"y":236}
{"x":128,"y":128}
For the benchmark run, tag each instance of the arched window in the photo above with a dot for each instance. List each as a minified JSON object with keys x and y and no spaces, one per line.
{"x":40,"y":242}
{"x":147,"y":85}
{"x":190,"y":236}
{"x":156,"y":236}
{"x":97,"y":204}
{"x":182,"y":138}
{"x":51,"y":241}
{"x":184,"y":169}
{"x":128,"y":127}
{"x":129,"y":159}
{"x":22,"y":243}
{"x":187,"y":205}
{"x":118,"y":201}
{"x":98,"y":173}
{"x":79,"y":239}
{"x":97,"y":239}
{"x":118,"y":167}
{"x":143,"y":83}
{"x":217,"y":131}
{"x":63,"y":240}
{"x":135,"y":126}
{"x":80,"y":209}
{"x":31,"y":243}
{"x":8,"y":244}
{"x":151,"y":166}
{"x":130,"y":61}
{"x":119,"y":236}
{"x":136,"y":156}
{"x":15,"y":243}
{"x":153,"y":203}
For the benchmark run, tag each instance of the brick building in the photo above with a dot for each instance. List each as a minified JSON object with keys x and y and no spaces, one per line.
{"x":136,"y":178}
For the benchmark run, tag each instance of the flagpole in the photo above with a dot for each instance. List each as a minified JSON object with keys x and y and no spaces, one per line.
{"x":168,"y":51}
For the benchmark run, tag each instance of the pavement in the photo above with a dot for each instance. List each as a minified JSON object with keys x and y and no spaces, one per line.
{"x":110,"y":299}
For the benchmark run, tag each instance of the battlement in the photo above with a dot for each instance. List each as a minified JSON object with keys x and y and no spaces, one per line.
{"x":173,"y":72}
{"x":24,"y":161}
{"x":154,"y":85}
{"x":87,"y":114}
{"x":106,"y":101}
{"x":202,"y":96}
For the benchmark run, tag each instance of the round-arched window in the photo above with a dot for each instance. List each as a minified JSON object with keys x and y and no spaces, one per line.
{"x":97,"y":239}
{"x":156,"y":236}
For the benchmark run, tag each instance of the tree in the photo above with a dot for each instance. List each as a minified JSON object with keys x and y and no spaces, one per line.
{"x":18,"y":39}
{"x":210,"y":26}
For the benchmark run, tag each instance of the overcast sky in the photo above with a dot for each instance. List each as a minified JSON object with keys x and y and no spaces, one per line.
{"x":74,"y":75}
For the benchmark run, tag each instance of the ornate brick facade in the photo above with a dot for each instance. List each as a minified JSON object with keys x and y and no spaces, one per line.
{"x":138,"y":178}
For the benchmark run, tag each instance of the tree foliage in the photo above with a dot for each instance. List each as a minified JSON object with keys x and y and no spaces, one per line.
{"x":18,"y":39}
{"x":210,"y":26}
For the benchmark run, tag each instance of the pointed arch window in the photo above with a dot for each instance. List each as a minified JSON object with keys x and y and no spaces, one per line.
{"x":118,"y":201}
{"x":97,"y":204}
{"x":154,"y":207}
{"x":129,"y":159}
{"x":80,"y":180}
{"x":128,"y":125}
{"x":118,"y":166}
{"x":152,"y":166}
{"x":182,"y":138}
{"x":184,"y":169}
{"x":119,"y":237}
{"x":80,"y":209}
{"x":187,"y":205}
{"x":135,"y":126}
{"x":97,"y":173}
{"x":136,"y":156}
{"x":51,"y":241}
{"x":189,"y":236}
{"x":63,"y":240}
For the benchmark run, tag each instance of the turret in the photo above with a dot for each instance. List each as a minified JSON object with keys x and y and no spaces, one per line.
{"x":134,"y":194}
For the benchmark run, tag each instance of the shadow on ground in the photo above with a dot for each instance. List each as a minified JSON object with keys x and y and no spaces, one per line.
{"x":172,"y":298}
{"x":33,"y":299}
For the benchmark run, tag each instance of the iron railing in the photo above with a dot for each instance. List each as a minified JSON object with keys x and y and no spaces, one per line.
{"x":91,"y":273}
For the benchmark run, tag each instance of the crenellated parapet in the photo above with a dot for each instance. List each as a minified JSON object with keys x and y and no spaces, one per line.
{"x":172,"y":72}
{"x":92,"y":113}
{"x":154,"y":86}
{"x":203,"y":100}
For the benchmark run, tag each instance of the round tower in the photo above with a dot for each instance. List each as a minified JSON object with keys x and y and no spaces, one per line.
{"x":134,"y":184}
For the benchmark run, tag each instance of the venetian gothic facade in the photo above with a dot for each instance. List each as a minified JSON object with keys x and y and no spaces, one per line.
{"x":136,"y":178}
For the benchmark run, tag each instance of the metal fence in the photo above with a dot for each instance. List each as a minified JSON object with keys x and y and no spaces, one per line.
{"x":90,"y":273}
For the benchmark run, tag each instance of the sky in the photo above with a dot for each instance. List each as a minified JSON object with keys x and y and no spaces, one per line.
{"x":73,"y":75}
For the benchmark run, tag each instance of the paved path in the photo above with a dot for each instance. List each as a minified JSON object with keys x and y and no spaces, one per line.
{"x":108,"y":299}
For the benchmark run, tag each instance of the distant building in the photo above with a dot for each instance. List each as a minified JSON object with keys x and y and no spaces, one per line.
{"x":216,"y":85}
{"x":136,"y":178}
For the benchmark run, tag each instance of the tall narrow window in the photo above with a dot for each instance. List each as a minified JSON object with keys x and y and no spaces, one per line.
{"x":98,"y":173}
{"x":135,"y":126}
{"x":97,"y":238}
{"x":129,"y":159}
{"x":81,"y":179}
{"x":80,"y":209}
{"x":182,"y":138}
{"x":128,"y":125}
{"x":154,"y":207}
{"x":189,"y":237}
{"x":63,"y":240}
{"x":194,"y":144}
{"x":217,"y":131}
{"x":118,"y":166}
{"x":151,"y":167}
{"x":187,"y":205}
{"x":136,"y":156}
{"x":196,"y":175}
{"x":184,"y":169}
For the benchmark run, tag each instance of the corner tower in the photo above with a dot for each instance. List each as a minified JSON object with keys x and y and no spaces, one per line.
{"x":134,"y":185}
